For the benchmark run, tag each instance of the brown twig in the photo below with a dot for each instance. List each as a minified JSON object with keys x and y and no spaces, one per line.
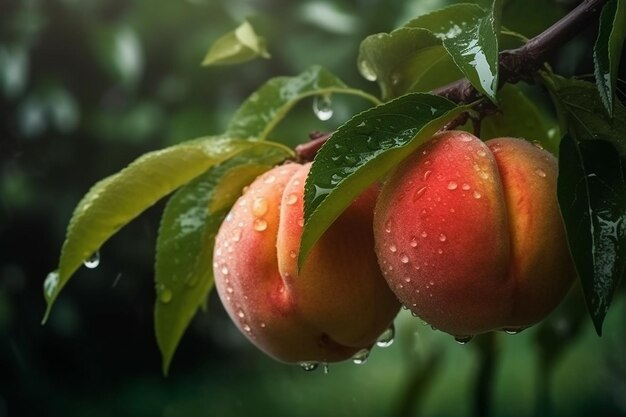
{"x":514,"y":65}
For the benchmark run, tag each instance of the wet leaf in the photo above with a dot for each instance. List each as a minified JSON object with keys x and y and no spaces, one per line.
{"x":591,"y":188}
{"x":582,"y":111}
{"x":470,"y":35}
{"x":240,"y":45}
{"x":520,"y":117}
{"x":592,"y":196}
{"x":406,"y":60}
{"x":363,"y":150}
{"x":116,"y":200}
{"x":184,"y":271}
{"x":608,"y":50}
{"x":266,"y":107}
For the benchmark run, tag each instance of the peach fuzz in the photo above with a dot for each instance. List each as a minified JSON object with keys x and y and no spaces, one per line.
{"x":338,"y":304}
{"x":469,"y":234}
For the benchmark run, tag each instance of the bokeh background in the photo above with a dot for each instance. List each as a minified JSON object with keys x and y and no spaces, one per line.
{"x":86,"y":86}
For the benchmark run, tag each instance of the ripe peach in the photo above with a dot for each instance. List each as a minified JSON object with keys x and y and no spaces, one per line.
{"x":338,"y":304}
{"x":469,"y":234}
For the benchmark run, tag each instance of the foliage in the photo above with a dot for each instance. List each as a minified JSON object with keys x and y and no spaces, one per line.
{"x":367,"y":147}
{"x":145,"y":90}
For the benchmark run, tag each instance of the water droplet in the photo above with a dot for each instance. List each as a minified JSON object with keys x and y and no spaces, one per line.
{"x":259,"y":225}
{"x":477,"y":195}
{"x":269,"y":179}
{"x":322,"y":107}
{"x":512,"y":330}
{"x":465,"y":186}
{"x":393,"y":248}
{"x":465,"y":138}
{"x":419,"y":193}
{"x":325,"y":368}
{"x":431,"y":282}
{"x":461,"y":340}
{"x":51,"y":283}
{"x":237,"y":235}
{"x":442,"y":237}
{"x":309,"y":366}
{"x":387,"y":337}
{"x":366,"y":70}
{"x":424,"y":234}
{"x":224,"y":270}
{"x":247,"y":328}
{"x":293,"y":254}
{"x":259,"y":206}
{"x":404,"y":259}
{"x":540,"y":172}
{"x":395,"y":78}
{"x":452,"y":185}
{"x":93,"y":261}
{"x":229,"y":290}
{"x":361,"y":356}
{"x":301,"y":222}
{"x":388,"y":227}
{"x":407,"y":279}
{"x":165,"y":295}
{"x":292,"y":199}
{"x":263,"y":325}
{"x":481,"y":152}
{"x":413,"y":242}
{"x":427,"y":174}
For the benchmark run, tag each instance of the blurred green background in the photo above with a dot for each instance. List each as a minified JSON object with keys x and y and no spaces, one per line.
{"x":86,"y":86}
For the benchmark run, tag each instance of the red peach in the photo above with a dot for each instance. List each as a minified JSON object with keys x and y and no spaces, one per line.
{"x":337,"y":304}
{"x":469,"y":234}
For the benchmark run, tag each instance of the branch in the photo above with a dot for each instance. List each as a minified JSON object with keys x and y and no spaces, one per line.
{"x":521,"y":63}
{"x":514,"y":65}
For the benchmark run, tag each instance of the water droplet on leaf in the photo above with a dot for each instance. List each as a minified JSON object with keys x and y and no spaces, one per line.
{"x":93,"y":261}
{"x":322,"y":107}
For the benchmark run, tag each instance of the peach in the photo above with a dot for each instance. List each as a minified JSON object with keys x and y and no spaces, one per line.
{"x":337,"y":304}
{"x":469,"y":234}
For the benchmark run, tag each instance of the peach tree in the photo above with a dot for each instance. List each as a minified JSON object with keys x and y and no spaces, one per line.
{"x":454,"y":68}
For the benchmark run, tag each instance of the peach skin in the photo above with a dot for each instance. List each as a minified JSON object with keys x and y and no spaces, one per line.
{"x":469,"y":235}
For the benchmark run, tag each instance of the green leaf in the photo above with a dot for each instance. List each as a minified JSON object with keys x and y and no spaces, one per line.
{"x":470,"y":35}
{"x":608,"y":50}
{"x":520,"y":117}
{"x":184,"y":271}
{"x":363,"y":150}
{"x":240,"y":45}
{"x":116,"y":200}
{"x":592,"y":196}
{"x":406,"y":60}
{"x":266,"y":107}
{"x":582,"y":110}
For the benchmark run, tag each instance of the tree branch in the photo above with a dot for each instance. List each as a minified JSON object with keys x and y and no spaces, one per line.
{"x":514,"y":64}
{"x":521,"y":63}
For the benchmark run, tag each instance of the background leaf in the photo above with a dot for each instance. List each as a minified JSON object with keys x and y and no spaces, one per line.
{"x":582,"y":111}
{"x":266,"y":107}
{"x":192,"y":217}
{"x":520,"y":117}
{"x":363,"y":150}
{"x":118,"y":199}
{"x":470,"y":35}
{"x":592,"y":195}
{"x":608,"y":50}
{"x":240,"y":45}
{"x":406,"y":60}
